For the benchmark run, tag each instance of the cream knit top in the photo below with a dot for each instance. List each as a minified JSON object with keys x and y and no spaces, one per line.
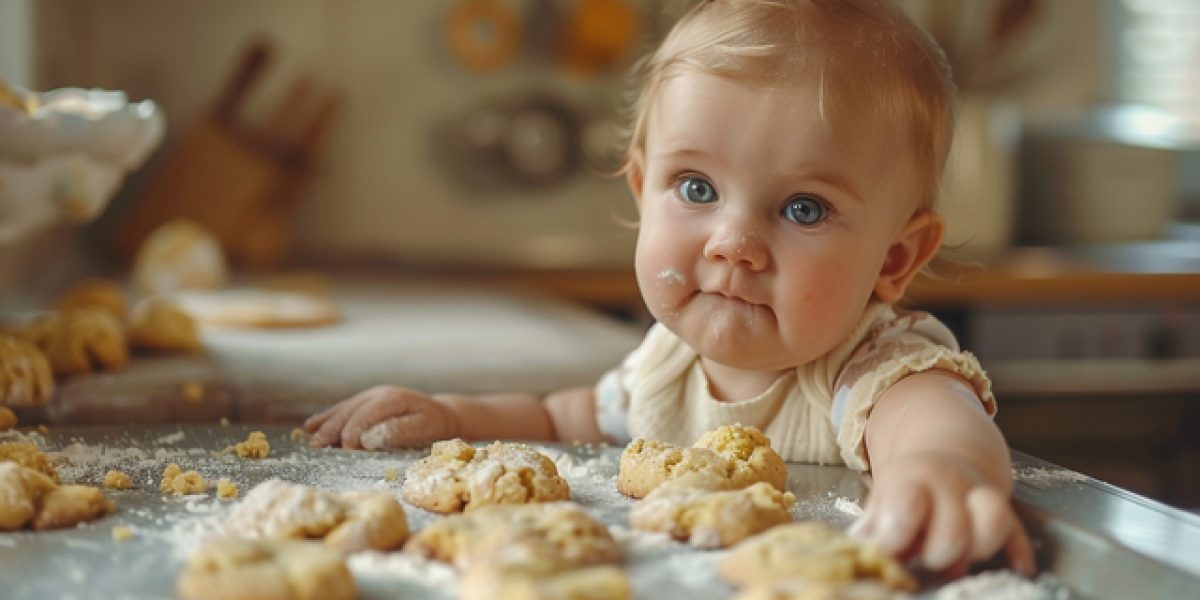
{"x":815,"y":413}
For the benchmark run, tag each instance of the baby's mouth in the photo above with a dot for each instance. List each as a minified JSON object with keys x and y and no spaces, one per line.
{"x":730,"y":296}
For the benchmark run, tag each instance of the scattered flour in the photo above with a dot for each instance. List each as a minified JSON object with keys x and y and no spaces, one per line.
{"x":848,"y":506}
{"x":829,"y":507}
{"x":1002,"y":585}
{"x":671,"y":276}
{"x":172,"y":527}
{"x":375,"y":563}
{"x":1044,"y":477}
{"x":173,"y":438}
{"x":636,"y":541}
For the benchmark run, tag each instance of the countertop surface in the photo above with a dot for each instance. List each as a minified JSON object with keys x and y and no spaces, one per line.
{"x":1146,"y":272}
{"x":1093,"y":540}
{"x":438,"y":338}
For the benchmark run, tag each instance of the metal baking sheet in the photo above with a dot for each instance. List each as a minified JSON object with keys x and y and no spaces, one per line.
{"x":1073,"y":520}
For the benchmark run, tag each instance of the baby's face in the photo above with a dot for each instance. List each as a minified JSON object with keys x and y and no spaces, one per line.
{"x":763,"y":230}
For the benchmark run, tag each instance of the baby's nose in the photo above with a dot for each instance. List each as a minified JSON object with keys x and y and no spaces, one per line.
{"x":738,"y":245}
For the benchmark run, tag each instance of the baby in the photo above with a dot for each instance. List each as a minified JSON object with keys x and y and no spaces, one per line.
{"x":785,"y":157}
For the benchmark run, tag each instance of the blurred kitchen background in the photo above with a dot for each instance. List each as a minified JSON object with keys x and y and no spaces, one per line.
{"x":473,"y":141}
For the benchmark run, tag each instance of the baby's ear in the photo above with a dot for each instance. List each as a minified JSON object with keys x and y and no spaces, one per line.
{"x":635,"y":173}
{"x":914,"y":247}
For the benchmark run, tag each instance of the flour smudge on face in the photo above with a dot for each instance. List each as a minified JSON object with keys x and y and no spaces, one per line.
{"x":671,"y":275}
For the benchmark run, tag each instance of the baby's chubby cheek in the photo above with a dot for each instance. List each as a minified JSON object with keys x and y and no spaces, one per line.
{"x":663,"y":288}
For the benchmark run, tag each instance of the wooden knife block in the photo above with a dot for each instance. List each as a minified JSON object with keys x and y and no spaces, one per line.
{"x":241,"y":182}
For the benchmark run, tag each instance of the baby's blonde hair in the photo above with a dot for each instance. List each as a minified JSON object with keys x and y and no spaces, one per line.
{"x":869,"y":58}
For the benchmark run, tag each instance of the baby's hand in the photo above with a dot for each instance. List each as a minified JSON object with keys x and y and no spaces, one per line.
{"x":938,"y":509}
{"x":383,"y":417}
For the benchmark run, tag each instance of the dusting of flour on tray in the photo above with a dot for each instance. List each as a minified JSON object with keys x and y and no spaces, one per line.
{"x":1044,"y":477}
{"x":171,"y":438}
{"x":848,"y":506}
{"x":1002,"y":585}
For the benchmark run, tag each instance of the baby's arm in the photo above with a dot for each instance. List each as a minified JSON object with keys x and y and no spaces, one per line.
{"x":942,"y":477}
{"x":393,"y":417}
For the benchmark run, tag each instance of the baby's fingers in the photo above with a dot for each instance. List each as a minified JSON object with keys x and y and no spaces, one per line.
{"x":406,"y":431}
{"x":315,"y":422}
{"x":384,"y":408}
{"x":949,"y":536}
{"x":899,"y":519}
{"x":1020,"y":552}
{"x":992,"y":522}
{"x":329,"y":431}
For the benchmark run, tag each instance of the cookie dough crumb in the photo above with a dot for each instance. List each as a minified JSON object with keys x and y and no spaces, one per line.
{"x":169,"y":474}
{"x":296,"y":435}
{"x":189,"y":482}
{"x":389,"y":474}
{"x":8,"y":419}
{"x":117,"y":480}
{"x":27,"y":455}
{"x":122,"y":533}
{"x":192,"y":391}
{"x":224,"y":422}
{"x":226,"y":489}
{"x":255,"y":446}
{"x":42,"y":429}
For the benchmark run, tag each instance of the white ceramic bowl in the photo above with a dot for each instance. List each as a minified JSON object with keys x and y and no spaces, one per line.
{"x":66,"y":159}
{"x":101,"y":124}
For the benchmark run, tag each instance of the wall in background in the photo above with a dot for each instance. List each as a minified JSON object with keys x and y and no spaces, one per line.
{"x":382,"y":192}
{"x":16,"y":41}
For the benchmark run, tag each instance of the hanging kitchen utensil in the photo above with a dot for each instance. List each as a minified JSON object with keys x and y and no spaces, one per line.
{"x":484,"y":35}
{"x":599,"y":36}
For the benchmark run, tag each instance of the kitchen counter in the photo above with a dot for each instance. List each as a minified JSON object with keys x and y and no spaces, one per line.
{"x":1093,"y":540}
{"x":439,"y":338}
{"x":1151,"y":272}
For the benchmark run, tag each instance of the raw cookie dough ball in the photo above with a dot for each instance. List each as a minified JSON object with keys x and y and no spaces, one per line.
{"x":97,"y":293}
{"x":28,"y":496}
{"x":545,"y":538}
{"x":349,"y":522}
{"x":25,"y":375}
{"x":457,"y":477}
{"x":800,"y":589}
{"x":732,"y":457}
{"x":179,"y":255}
{"x":374,"y":520}
{"x":77,"y":341}
{"x":21,"y":492}
{"x":711,"y":518}
{"x":237,"y":569}
{"x":158,"y":324}
{"x":117,"y":480}
{"x":753,"y":458}
{"x":812,"y":551}
{"x":646,"y":464}
{"x":498,"y":583}
{"x":27,"y":455}
{"x":68,"y":505}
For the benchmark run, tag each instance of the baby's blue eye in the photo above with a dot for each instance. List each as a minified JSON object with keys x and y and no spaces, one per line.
{"x":699,"y":191}
{"x":804,"y":210}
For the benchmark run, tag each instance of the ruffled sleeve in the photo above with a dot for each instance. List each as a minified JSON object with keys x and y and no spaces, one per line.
{"x":612,"y":393}
{"x":895,"y":347}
